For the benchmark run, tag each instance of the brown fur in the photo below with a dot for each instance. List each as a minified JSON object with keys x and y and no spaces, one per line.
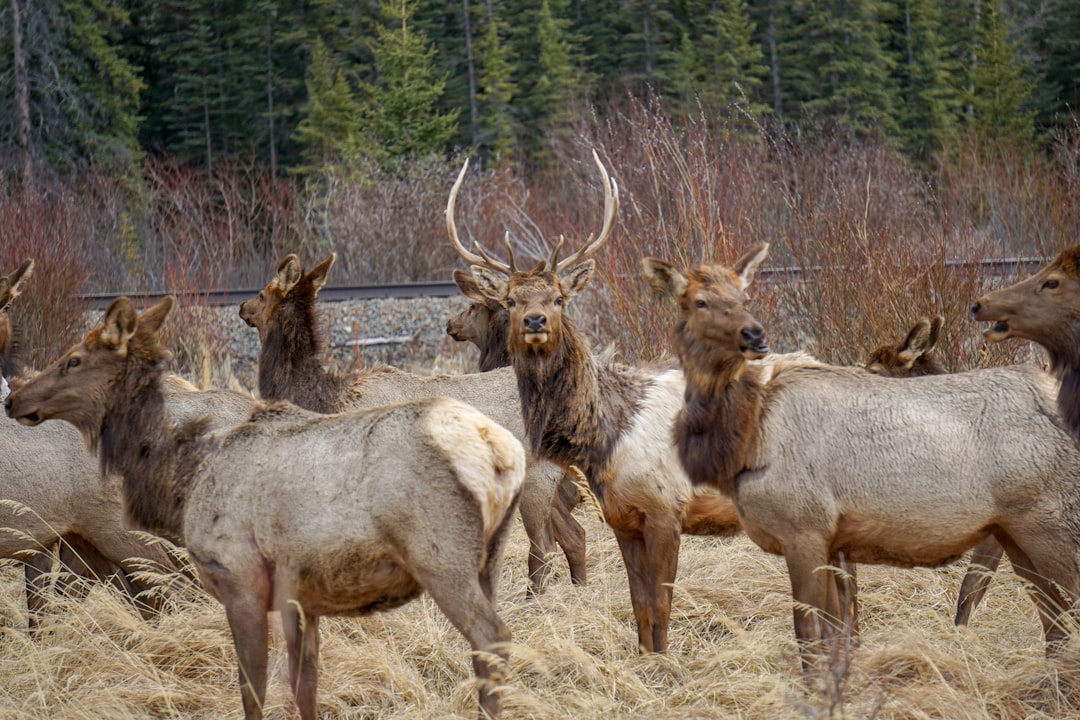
{"x":844,"y":466}
{"x":291,"y":368}
{"x":272,"y":521}
{"x":10,"y":287}
{"x":1045,"y":309}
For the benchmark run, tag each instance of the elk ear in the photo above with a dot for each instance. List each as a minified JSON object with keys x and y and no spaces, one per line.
{"x":289,"y":273}
{"x":489,"y":283}
{"x":119,"y":325}
{"x":149,"y":322}
{"x":317,"y":275}
{"x":747,"y":266}
{"x":935,"y":332}
{"x":468,"y":287}
{"x":916,"y":344}
{"x":20,"y":276}
{"x":664,"y":277}
{"x":577,"y":279}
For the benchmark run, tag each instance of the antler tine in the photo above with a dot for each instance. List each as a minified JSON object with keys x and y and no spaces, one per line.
{"x":510,"y":253}
{"x":611,"y":209}
{"x":451,"y":229}
{"x":553,"y":261}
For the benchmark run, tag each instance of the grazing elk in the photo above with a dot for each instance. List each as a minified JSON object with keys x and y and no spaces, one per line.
{"x":913,"y":357}
{"x":612,"y":421}
{"x":291,"y":368}
{"x":295,"y":512}
{"x":486,"y":324}
{"x":823,"y":459}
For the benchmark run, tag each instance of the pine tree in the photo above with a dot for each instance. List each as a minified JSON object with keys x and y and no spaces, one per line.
{"x":1001,"y":89}
{"x":330,"y":128}
{"x":559,"y":87}
{"x":400,"y":108}
{"x":497,"y":89}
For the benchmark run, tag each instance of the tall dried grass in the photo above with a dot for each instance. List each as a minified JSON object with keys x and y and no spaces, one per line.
{"x":573,"y":654}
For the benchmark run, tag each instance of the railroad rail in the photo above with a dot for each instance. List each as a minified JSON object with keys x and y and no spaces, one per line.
{"x":1005,"y":267}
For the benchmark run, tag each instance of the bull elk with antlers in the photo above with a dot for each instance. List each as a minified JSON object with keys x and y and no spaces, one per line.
{"x":295,"y":512}
{"x":821,"y":459}
{"x":291,"y":367}
{"x":612,"y":421}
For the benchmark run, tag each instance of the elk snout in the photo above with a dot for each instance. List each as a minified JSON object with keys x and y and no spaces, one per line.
{"x":245,"y":315}
{"x":753,"y":338}
{"x":535,"y":323}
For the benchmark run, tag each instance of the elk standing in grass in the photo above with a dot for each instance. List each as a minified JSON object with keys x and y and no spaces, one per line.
{"x":295,"y":512}
{"x":823,"y":459}
{"x":291,"y":367}
{"x":914,"y":357}
{"x":612,"y":421}
{"x":486,"y":324}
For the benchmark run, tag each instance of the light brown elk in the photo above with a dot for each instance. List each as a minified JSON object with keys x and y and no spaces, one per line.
{"x":914,"y":357}
{"x":822,"y":459}
{"x":486,"y":324}
{"x":55,"y":500}
{"x":612,"y":421}
{"x":291,"y":367}
{"x":1045,"y":309}
{"x":295,"y":512}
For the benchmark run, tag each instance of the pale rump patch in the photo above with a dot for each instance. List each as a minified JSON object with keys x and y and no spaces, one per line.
{"x":775,"y":363}
{"x":489,"y":460}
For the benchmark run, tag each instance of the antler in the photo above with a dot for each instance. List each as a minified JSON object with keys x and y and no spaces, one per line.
{"x":484,"y":258}
{"x":611,"y":208}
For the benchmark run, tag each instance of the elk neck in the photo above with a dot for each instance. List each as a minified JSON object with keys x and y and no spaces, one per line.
{"x":575,"y":410}
{"x":156,"y":459}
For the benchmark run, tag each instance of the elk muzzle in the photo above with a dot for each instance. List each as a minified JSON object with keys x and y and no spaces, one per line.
{"x":753,"y":341}
{"x":982,"y":311}
{"x":536,"y":329}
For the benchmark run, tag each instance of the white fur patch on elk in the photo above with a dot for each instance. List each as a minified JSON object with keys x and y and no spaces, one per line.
{"x":292,"y":368}
{"x":834,"y":459}
{"x":295,"y":512}
{"x":914,"y":356}
{"x":612,"y":421}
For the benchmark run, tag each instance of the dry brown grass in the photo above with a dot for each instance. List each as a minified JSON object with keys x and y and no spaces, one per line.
{"x":574,"y":656}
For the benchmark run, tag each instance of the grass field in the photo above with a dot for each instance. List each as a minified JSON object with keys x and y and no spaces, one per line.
{"x":573,"y":654}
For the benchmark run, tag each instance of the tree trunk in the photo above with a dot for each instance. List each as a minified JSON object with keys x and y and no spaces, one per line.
{"x":474,"y":109}
{"x":22,"y":95}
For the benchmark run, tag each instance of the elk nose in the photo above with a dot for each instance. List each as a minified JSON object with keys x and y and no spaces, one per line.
{"x":975,"y":308}
{"x":535,"y":323}
{"x":753,"y":336}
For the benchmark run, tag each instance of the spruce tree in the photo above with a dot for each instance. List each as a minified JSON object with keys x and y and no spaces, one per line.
{"x":497,"y":89}
{"x":330,"y":128}
{"x":1001,"y":89}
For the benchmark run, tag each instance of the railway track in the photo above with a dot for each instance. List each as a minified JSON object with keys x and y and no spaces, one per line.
{"x":1005,"y":267}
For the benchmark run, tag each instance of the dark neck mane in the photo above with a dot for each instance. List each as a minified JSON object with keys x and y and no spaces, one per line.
{"x":494,"y":353}
{"x":574,"y":410}
{"x":156,"y":459}
{"x":290,"y":364}
{"x":717,"y":429}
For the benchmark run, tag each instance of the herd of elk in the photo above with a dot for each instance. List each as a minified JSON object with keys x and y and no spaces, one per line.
{"x":345,"y":494}
{"x":914,"y":357}
{"x":291,"y":367}
{"x":821,"y":459}
{"x":296,"y":512}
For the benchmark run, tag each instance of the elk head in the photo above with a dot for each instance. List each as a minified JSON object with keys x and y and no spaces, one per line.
{"x":1045,"y":309}
{"x":535,"y":299}
{"x":911,"y":357}
{"x":77,"y":387}
{"x":289,"y":287}
{"x":714,"y":334}
{"x":484,"y":323}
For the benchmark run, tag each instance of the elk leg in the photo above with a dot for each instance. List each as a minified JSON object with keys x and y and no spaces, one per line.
{"x":466,"y":606}
{"x":567,"y":530}
{"x":810,"y":587}
{"x":844,"y":595}
{"x":636,"y":560}
{"x":984,"y":562}
{"x":662,"y":557}
{"x":249,"y":626}
{"x":536,"y":504}
{"x":35,"y":572}
{"x":1046,"y":595}
{"x":302,"y":640}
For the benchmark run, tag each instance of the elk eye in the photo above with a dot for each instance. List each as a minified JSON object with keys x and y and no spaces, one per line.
{"x":559,"y":301}
{"x":510,"y":303}
{"x":701,"y":304}
{"x":1050,"y":284}
{"x":73,"y":362}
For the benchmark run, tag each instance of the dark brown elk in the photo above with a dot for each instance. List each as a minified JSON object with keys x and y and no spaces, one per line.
{"x":823,"y":459}
{"x":914,"y":357}
{"x":296,"y":512}
{"x":292,"y":368}
{"x":612,"y":421}
{"x":486,"y":324}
